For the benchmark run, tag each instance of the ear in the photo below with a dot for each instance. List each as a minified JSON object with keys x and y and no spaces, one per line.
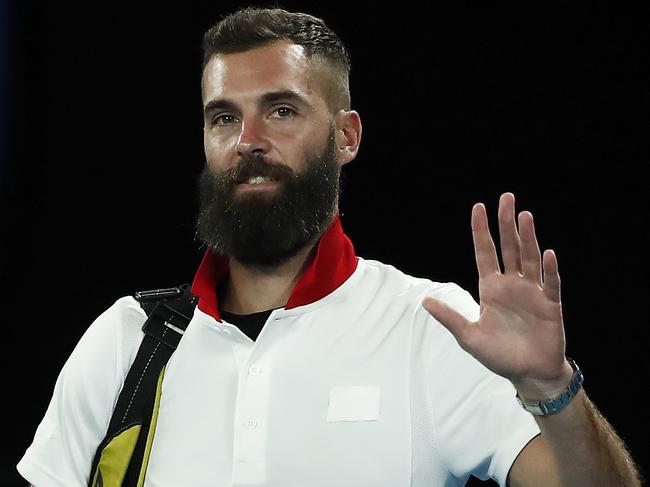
{"x":348,"y":135}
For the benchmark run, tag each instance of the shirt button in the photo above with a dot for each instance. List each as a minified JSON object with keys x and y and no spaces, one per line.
{"x":251,"y":424}
{"x":254,"y":371}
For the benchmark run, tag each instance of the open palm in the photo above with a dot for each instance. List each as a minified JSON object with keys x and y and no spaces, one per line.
{"x":520,"y":331}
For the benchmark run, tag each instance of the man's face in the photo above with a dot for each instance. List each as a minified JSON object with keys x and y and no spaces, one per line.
{"x":267,"y":101}
{"x":270,"y":185}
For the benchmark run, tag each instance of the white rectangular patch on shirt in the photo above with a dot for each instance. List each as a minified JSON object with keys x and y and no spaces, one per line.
{"x":353,"y":403}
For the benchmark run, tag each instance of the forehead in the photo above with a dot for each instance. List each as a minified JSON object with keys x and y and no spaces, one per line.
{"x":277,"y":66}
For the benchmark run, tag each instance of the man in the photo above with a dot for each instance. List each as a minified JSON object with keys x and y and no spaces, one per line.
{"x":305,"y":365}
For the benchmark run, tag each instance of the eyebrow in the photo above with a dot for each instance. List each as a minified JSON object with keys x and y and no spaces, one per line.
{"x":265,"y":99}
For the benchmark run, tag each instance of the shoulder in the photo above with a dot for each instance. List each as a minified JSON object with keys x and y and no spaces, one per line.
{"x":394,"y":285}
{"x":117,"y":329}
{"x":91,"y":378}
{"x":104,"y":354}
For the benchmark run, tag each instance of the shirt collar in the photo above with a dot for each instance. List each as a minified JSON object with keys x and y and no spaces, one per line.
{"x":331,"y":265}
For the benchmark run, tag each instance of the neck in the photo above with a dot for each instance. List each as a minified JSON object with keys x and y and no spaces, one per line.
{"x":250,"y":290}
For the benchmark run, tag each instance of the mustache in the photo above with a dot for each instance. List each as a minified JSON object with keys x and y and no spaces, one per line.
{"x":251,"y":166}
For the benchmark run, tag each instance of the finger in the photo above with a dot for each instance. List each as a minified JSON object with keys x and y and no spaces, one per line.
{"x":509,"y":238}
{"x":531,"y":258}
{"x":456,"y":323}
{"x":485,"y":252}
{"x":551,"y":276}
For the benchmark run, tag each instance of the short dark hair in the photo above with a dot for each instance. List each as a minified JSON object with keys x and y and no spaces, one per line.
{"x":251,"y":27}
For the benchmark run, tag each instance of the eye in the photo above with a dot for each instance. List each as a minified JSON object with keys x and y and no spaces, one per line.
{"x":283,"y":112}
{"x":223,"y":119}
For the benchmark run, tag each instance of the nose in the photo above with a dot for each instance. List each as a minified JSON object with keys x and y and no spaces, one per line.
{"x":252,"y":139}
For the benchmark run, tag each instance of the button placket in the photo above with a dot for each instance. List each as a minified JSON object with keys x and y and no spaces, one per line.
{"x":252,"y":404}
{"x":250,"y":448}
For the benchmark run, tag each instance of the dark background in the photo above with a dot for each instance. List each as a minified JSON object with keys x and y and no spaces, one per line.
{"x":102,"y":143}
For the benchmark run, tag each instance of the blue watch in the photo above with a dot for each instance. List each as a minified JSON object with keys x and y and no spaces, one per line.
{"x":547,"y":407}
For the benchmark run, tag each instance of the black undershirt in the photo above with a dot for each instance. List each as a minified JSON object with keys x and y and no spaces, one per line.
{"x":251,"y":324}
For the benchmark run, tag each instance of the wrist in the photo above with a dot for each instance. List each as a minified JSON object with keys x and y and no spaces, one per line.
{"x":557,"y":402}
{"x":542,"y":389}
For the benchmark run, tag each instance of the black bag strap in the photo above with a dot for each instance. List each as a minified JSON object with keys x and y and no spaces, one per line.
{"x":169,"y":312}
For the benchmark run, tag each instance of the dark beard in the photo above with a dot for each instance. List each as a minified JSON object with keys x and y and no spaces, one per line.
{"x":263,"y":230}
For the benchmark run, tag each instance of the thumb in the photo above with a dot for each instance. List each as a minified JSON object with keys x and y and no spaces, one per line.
{"x":447,"y":316}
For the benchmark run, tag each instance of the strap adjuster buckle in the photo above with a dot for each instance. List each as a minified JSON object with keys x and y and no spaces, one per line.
{"x":173,"y":311}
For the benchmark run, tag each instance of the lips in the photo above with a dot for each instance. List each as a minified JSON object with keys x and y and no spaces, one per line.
{"x":256,"y":171}
{"x":259,"y":180}
{"x":254,"y":177}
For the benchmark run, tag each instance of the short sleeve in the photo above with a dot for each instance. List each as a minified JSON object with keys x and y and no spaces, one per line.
{"x":477,"y":426}
{"x":84,"y":395}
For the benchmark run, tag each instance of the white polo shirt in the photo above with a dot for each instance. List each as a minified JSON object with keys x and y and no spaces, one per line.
{"x":352,"y":384}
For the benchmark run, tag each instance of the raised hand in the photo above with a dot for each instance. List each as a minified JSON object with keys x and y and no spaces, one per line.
{"x":520,"y":331}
